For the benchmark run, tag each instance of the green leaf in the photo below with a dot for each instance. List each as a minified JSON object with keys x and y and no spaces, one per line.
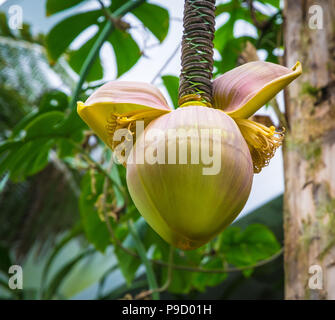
{"x":36,"y":161}
{"x":4,"y":28}
{"x":127,"y":263}
{"x":230,"y":53}
{"x":126,"y":50}
{"x":9,"y":145}
{"x":274,"y":3}
{"x":43,"y":125}
{"x":24,"y":122}
{"x":223,"y":34}
{"x":8,"y":152}
{"x":269,"y":41}
{"x":116,"y":4}
{"x":238,"y":12}
{"x":65,"y":149}
{"x":62,"y":34}
{"x":77,"y":58}
{"x":171,"y":84}
{"x":103,"y":279}
{"x":121,"y":291}
{"x":72,"y":234}
{"x":244,"y":248}
{"x":152,"y":282}
{"x":54,"y":6}
{"x":224,"y":41}
{"x":95,"y":230}
{"x":182,"y":280}
{"x":5,"y":260}
{"x":30,"y":154}
{"x":25,"y":159}
{"x":61,"y":275}
{"x":3,"y":182}
{"x":201,"y":280}
{"x":12,"y":103}
{"x":226,"y":7}
{"x":155,"y":18}
{"x":25,"y":33}
{"x":268,"y":214}
{"x":53,"y":100}
{"x":28,"y":159}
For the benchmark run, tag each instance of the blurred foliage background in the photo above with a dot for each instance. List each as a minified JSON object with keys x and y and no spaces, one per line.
{"x":65,"y":213}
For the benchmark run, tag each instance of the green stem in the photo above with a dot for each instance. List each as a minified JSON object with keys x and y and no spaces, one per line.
{"x":168,"y":279}
{"x":92,"y":55}
{"x":90,"y":59}
{"x":99,"y":167}
{"x":143,"y":255}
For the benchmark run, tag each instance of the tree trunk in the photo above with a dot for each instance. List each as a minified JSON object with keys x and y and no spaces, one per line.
{"x":309,"y":152}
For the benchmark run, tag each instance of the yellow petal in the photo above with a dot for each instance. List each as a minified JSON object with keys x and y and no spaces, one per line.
{"x":243,"y":90}
{"x":118,"y":104}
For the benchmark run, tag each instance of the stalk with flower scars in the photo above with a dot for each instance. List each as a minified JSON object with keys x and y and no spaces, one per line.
{"x":190,"y":201}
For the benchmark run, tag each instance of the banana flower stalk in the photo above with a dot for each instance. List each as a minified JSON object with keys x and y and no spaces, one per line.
{"x":187,"y":202}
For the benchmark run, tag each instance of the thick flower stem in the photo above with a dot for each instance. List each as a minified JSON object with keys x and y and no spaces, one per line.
{"x":197,"y":52}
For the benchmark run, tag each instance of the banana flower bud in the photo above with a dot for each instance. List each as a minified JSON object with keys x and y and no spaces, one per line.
{"x":190,"y":170}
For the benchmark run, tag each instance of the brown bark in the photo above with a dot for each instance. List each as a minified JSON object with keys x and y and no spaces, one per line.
{"x":309,"y":152}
